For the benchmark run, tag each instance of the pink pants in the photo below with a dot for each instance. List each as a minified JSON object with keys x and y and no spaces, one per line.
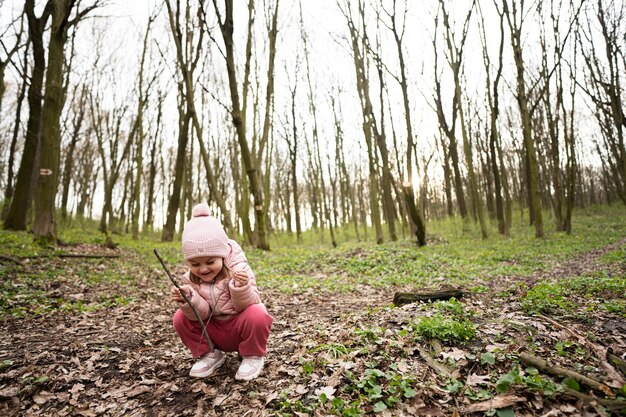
{"x":246,"y":332}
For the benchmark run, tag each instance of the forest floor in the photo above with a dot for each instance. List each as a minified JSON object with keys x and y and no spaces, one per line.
{"x":345,"y":353}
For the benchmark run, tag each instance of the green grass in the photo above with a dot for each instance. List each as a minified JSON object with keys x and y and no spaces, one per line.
{"x":577,"y":296}
{"x":453,"y":257}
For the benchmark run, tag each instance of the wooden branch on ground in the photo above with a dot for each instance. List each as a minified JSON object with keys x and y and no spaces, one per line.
{"x":11,"y":259}
{"x":613,"y":405}
{"x":78,"y":255}
{"x":73,"y":255}
{"x":410,"y":297}
{"x":440,"y":368}
{"x":617,"y":361}
{"x":542,"y":365}
{"x":615,"y":379}
{"x":497,"y":402}
{"x":436,"y":346}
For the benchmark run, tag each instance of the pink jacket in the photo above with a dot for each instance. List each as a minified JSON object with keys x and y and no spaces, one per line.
{"x":221,"y":296}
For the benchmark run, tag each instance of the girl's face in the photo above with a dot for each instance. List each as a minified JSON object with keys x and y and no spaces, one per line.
{"x":206,"y":268}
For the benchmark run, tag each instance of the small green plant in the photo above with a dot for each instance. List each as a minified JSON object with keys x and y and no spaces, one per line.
{"x":444,"y":329}
{"x":288,"y":408}
{"x":346,"y":408}
{"x":562,"y":347}
{"x":452,"y":306}
{"x":384,"y":390}
{"x":487,"y":358}
{"x":336,"y":350}
{"x":369,"y":335}
{"x":453,"y":386}
{"x":547,"y":297}
{"x":307,"y":367}
{"x":531,"y":379}
{"x":5,"y":364}
{"x":615,"y":306}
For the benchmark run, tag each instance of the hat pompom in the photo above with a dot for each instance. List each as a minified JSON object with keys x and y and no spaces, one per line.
{"x":200,"y":210}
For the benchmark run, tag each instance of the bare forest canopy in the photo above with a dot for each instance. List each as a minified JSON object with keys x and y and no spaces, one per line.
{"x":296,"y":115}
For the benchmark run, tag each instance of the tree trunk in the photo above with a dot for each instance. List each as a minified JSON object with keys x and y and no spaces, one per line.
{"x":22,"y":199}
{"x":381,"y":141}
{"x":522,"y":100}
{"x":44,"y":227}
{"x":250,"y":164}
{"x":179,"y":171}
{"x":187,"y":61}
{"x":8,"y":192}
{"x":368,"y":117}
{"x":152,"y":170}
{"x":69,"y":168}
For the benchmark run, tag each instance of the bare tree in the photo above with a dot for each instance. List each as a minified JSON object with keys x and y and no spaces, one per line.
{"x":22,"y":198}
{"x":80,"y":105}
{"x":449,"y":130}
{"x":292,"y":144}
{"x":9,"y":51}
{"x":44,"y":227}
{"x":9,"y":190}
{"x":503,"y":206}
{"x":605,"y":66}
{"x":358,"y":43}
{"x":250,"y":162}
{"x":515,"y":18}
{"x":417,"y":223}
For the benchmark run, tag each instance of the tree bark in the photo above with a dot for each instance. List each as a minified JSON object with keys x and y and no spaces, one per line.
{"x":367,"y":113}
{"x":22,"y":199}
{"x":226,"y":24}
{"x":515,"y":28}
{"x":68,"y":167}
{"x":10,"y":189}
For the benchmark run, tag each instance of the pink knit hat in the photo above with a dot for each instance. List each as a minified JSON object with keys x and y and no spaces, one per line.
{"x":204,"y":235}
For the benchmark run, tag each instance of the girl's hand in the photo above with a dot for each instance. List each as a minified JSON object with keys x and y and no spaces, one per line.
{"x":177,"y":296}
{"x":241,"y":278}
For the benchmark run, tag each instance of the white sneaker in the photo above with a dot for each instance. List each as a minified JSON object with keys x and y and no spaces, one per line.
{"x":207,"y":364}
{"x":250,"y":368}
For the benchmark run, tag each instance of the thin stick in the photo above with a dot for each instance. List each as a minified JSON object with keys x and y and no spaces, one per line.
{"x":195,"y":312}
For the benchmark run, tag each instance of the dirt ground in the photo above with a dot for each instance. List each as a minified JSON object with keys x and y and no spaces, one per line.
{"x":127,"y":360}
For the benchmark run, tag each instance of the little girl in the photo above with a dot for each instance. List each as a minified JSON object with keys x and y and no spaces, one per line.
{"x":222,"y":288}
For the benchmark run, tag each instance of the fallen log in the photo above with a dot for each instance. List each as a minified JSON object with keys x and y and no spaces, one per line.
{"x":410,"y":297}
{"x":617,"y":361}
{"x":613,"y":405}
{"x":72,"y":255}
{"x":437,"y":366}
{"x":78,"y":255}
{"x":11,"y":259}
{"x":500,"y":401}
{"x":542,"y":365}
{"x":607,"y":363}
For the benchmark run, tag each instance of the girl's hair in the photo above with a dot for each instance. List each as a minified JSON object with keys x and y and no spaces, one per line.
{"x":224,"y":272}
